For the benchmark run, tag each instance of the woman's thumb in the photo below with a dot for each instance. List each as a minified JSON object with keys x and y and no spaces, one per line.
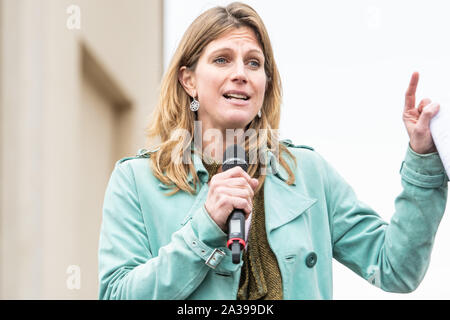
{"x":427,"y":114}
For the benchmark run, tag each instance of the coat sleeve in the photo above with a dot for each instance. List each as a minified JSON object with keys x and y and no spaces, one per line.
{"x":393,"y":256}
{"x":127,"y":267}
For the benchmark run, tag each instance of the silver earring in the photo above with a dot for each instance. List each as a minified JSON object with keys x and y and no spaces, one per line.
{"x":259,"y":113}
{"x":194,"y":105}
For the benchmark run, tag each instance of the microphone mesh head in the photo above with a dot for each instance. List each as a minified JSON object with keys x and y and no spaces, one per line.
{"x":234,"y":156}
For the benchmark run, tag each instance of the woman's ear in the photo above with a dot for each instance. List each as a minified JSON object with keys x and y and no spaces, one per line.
{"x":187,"y":80}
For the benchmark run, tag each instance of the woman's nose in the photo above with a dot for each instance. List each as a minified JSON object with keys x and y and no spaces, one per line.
{"x":239,"y":73}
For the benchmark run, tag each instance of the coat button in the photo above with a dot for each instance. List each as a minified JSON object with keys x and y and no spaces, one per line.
{"x":311,"y":260}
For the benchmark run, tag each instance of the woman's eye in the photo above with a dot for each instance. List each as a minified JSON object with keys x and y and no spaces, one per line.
{"x":220,"y":60}
{"x":254,"y":63}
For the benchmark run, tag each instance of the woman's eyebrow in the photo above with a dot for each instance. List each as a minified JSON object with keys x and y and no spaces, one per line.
{"x":229,"y":49}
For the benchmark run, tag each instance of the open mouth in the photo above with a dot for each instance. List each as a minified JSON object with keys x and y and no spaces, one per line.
{"x":232,"y":96}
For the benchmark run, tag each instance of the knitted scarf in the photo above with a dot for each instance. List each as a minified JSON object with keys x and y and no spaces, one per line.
{"x":260,"y":274}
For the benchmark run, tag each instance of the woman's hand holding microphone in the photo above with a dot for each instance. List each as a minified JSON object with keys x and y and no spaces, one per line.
{"x":228,"y":190}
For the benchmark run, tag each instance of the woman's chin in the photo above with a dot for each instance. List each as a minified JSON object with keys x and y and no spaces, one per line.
{"x":237,"y":119}
{"x":237,"y":123}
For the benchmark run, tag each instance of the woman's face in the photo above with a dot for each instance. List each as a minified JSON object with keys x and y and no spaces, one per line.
{"x":229,"y":80}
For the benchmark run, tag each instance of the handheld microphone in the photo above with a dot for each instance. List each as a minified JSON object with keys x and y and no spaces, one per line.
{"x":235,"y":156}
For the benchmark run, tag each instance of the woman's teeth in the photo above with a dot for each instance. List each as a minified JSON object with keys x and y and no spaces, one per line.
{"x":235,"y":96}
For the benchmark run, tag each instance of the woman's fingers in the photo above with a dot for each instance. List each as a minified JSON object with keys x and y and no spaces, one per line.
{"x":235,"y":177}
{"x":428,"y":112}
{"x":235,"y":172}
{"x":241,"y":183}
{"x":232,"y":189}
{"x":238,"y":203}
{"x":410,"y":95}
{"x":423,"y":103}
{"x":244,"y":193}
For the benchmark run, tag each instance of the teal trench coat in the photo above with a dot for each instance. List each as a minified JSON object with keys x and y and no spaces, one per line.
{"x":157,"y":247}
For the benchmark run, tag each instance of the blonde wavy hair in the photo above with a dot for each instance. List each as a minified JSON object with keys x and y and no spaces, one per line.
{"x":172,"y":112}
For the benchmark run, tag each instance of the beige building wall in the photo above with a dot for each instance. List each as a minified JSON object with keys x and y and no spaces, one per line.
{"x":72,"y":102}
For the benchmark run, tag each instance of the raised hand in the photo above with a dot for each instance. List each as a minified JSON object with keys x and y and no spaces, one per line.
{"x":417,"y":120}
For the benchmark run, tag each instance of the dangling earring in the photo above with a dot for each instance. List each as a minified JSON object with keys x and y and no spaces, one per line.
{"x":259,"y":113}
{"x":194,"y":105}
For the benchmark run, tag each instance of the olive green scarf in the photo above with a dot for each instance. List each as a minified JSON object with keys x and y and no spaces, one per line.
{"x":260,"y":275}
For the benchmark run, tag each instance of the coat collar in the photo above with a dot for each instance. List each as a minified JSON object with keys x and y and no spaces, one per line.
{"x":282,"y":203}
{"x":274,"y":167}
{"x":270,"y":160}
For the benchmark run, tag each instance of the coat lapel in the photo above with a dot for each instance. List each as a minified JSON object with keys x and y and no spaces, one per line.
{"x":282,"y":203}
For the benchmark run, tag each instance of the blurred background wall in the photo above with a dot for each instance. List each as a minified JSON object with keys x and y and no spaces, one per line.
{"x":78,"y":80}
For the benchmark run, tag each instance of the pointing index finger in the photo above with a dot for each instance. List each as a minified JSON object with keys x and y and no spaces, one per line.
{"x":410,"y":96}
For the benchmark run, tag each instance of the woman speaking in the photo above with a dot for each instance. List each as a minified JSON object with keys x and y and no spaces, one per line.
{"x":164,"y":229}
